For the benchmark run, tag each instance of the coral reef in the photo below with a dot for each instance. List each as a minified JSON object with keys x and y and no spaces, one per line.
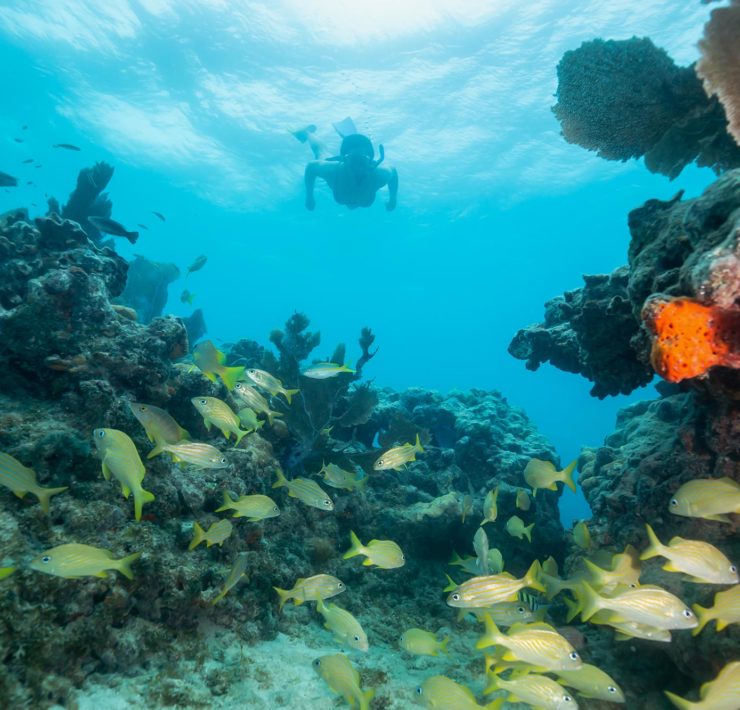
{"x":626,"y":99}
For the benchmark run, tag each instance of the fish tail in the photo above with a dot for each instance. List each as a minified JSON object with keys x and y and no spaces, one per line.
{"x":230,"y":375}
{"x":491,"y":636}
{"x":703,"y":617}
{"x":567,"y":474}
{"x":284,"y":595}
{"x":365,"y":698}
{"x":531,"y":579}
{"x":281,"y":479}
{"x":443,"y":645}
{"x":678,"y":702}
{"x":494,"y":704}
{"x":271,"y":415}
{"x":289,"y":394}
{"x":124,"y":565}
{"x":590,"y":602}
{"x":655,"y":548}
{"x":239,"y":436}
{"x":528,"y":532}
{"x":197,"y":536}
{"x":452,"y":585}
{"x":228,"y":503}
{"x":156,"y":451}
{"x":355,"y":548}
{"x":140,"y":497}
{"x":417,"y":445}
{"x":210,"y":376}
{"x":43,"y":494}
{"x":574,"y":609}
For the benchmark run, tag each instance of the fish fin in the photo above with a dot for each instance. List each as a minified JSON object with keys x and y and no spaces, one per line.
{"x":356,"y":547}
{"x":365,"y":697}
{"x":417,"y":445}
{"x":197,"y":536}
{"x":722,"y":624}
{"x":720,"y":518}
{"x":102,"y":574}
{"x":208,"y":424}
{"x":491,"y":635}
{"x":156,"y":451}
{"x":231,"y":375}
{"x":590,"y":602}
{"x":140,"y":497}
{"x":124,"y":565}
{"x":284,"y":595}
{"x":567,"y":473}
{"x":228,"y":503}
{"x":44,"y":494}
{"x":452,"y":585}
{"x":494,"y":704}
{"x":125,"y":490}
{"x":443,"y":645}
{"x":281,"y":479}
{"x":528,"y":532}
{"x":289,"y":394}
{"x":670,"y":567}
{"x":239,"y":436}
{"x":106,"y":471}
{"x":509,"y":656}
{"x":271,"y":416}
{"x":655,"y":548}
{"x":211,"y":376}
{"x":531,"y":579}
{"x":573,"y":607}
{"x":678,"y":702}
{"x":367,"y":562}
{"x":226,"y":433}
{"x":702,"y":617}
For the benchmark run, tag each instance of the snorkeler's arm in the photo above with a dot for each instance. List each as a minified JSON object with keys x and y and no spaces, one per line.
{"x":392,"y":189}
{"x":312,"y":172}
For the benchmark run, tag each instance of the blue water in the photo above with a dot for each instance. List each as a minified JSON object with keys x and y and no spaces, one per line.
{"x":193,"y":102}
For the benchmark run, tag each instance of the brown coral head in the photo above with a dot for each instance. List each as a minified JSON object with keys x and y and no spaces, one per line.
{"x":689,"y":337}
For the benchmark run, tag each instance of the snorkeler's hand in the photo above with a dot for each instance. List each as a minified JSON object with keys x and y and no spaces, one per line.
{"x":310,"y":203}
{"x":390,"y":205}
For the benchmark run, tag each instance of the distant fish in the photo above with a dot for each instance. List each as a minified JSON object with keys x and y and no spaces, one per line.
{"x":7,"y":180}
{"x":217,"y":413}
{"x":311,"y":589}
{"x":187,"y":297}
{"x":22,"y":480}
{"x":160,"y":426}
{"x":398,"y":456}
{"x":74,"y":560}
{"x":385,"y":554}
{"x":28,"y":160}
{"x":24,"y":128}
{"x":516,"y":528}
{"x":142,"y":226}
{"x":490,"y":507}
{"x":342,"y":678}
{"x":543,"y":474}
{"x":326,"y":370}
{"x":197,"y":265}
{"x":29,"y":182}
{"x":211,"y":362}
{"x":343,"y":625}
{"x":237,"y":572}
{"x":419,"y":642}
{"x":581,"y":535}
{"x":18,"y":140}
{"x":160,"y":215}
{"x":110,"y":226}
{"x":269,"y":383}
{"x":465,"y":507}
{"x":248,"y":419}
{"x":197,"y":454}
{"x":215,"y":535}
{"x":523,"y":501}
{"x":255,"y":507}
{"x":254,"y":400}
{"x":337,"y":477}
{"x":442,"y":692}
{"x":66,"y":146}
{"x":306,"y":490}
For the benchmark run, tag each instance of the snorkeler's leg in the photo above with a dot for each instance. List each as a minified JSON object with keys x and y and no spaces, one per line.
{"x":318,"y":169}
{"x":392,"y":181}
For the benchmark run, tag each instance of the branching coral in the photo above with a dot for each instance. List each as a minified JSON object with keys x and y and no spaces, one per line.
{"x":719,"y":66}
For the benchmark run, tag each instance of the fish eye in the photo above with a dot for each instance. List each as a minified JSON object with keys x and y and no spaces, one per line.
{"x":733,"y":569}
{"x":455,"y":597}
{"x":633,"y":585}
{"x":567,"y":699}
{"x":317,"y":663}
{"x":380,"y":462}
{"x":521,"y":609}
{"x":275,"y":509}
{"x":46,"y":559}
{"x":419,"y":690}
{"x":203,"y":401}
{"x":340,"y":585}
{"x":356,"y":637}
{"x":688,"y":613}
{"x":611,"y":689}
{"x":223,"y":459}
{"x":674,"y":502}
{"x":327,"y":502}
{"x":143,"y":408}
{"x":574,"y":656}
{"x":101,"y":433}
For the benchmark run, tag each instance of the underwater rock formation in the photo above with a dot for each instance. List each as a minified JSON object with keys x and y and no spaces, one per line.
{"x":627,"y":99}
{"x":147,"y":287}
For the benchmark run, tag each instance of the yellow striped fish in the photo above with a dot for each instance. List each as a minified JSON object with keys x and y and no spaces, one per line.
{"x":343,"y":625}
{"x":627,"y":630}
{"x":337,"y":477}
{"x":625,"y":571}
{"x":419,"y":642}
{"x":248,"y":419}
{"x":442,"y":693}
{"x":215,"y":535}
{"x":198,"y":454}
{"x":269,"y":383}
{"x":726,"y":610}
{"x":538,"y":644}
{"x":722,"y":693}
{"x":703,"y":562}
{"x":254,"y":400}
{"x":254,"y":507}
{"x":74,"y":560}
{"x":591,"y":682}
{"x":121,"y":460}
{"x":212,"y":362}
{"x":311,"y":589}
{"x":490,"y":507}
{"x":219,"y":414}
{"x":492,"y":589}
{"x":159,"y":425}
{"x":397,"y":457}
{"x":237,"y":572}
{"x":339,"y":674}
{"x":709,"y":498}
{"x":305,"y":490}
{"x":506,"y":613}
{"x":538,"y":690}
{"x":385,"y":554}
{"x":21,"y":480}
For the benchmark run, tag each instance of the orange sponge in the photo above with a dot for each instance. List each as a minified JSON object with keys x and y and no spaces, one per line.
{"x":689,"y":337}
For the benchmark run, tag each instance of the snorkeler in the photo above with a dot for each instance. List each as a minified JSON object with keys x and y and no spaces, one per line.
{"x":354,"y":176}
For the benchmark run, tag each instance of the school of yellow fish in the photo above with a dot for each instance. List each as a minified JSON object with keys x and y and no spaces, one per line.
{"x":530,"y":662}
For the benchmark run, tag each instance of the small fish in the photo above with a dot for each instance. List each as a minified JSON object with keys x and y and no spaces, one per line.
{"x":538,"y":690}
{"x":21,"y":480}
{"x":516,"y":528}
{"x":248,"y":419}
{"x":6,"y":572}
{"x":7,"y":180}
{"x":703,"y":562}
{"x":254,"y":507}
{"x":343,"y":625}
{"x":543,"y":474}
{"x":307,"y":491}
{"x":74,"y":560}
{"x":538,"y":644}
{"x":237,"y":572}
{"x":495,"y":561}
{"x":197,"y":265}
{"x":339,"y":674}
{"x":649,"y":605}
{"x":212,"y":362}
{"x":481,"y":547}
{"x":492,"y":589}
{"x":423,"y":643}
{"x":397,"y":457}
{"x":217,"y":413}
{"x":627,"y":630}
{"x":142,"y":226}
{"x":121,"y":460}
{"x":160,"y":215}
{"x":18,"y":140}
{"x":506,"y":613}
{"x":442,"y":693}
{"x":625,"y":571}
{"x":466,"y":507}
{"x":187,"y":297}
{"x":581,"y":535}
{"x":217,"y":534}
{"x":523,"y":501}
{"x":197,"y":454}
{"x":337,"y":477}
{"x":490,"y":507}
{"x":726,"y":610}
{"x":159,"y":425}
{"x":385,"y":554}
{"x":27,"y":161}
{"x":708,"y":498}
{"x":325,"y":370}
{"x":311,"y":589}
{"x":254,"y":400}
{"x":591,"y":682}
{"x":722,"y":693}
{"x":66,"y":146}
{"x":468,"y":563}
{"x":110,"y":226}
{"x":269,"y":383}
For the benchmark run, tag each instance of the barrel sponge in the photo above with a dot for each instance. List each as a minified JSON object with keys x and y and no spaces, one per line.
{"x":719,"y":66}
